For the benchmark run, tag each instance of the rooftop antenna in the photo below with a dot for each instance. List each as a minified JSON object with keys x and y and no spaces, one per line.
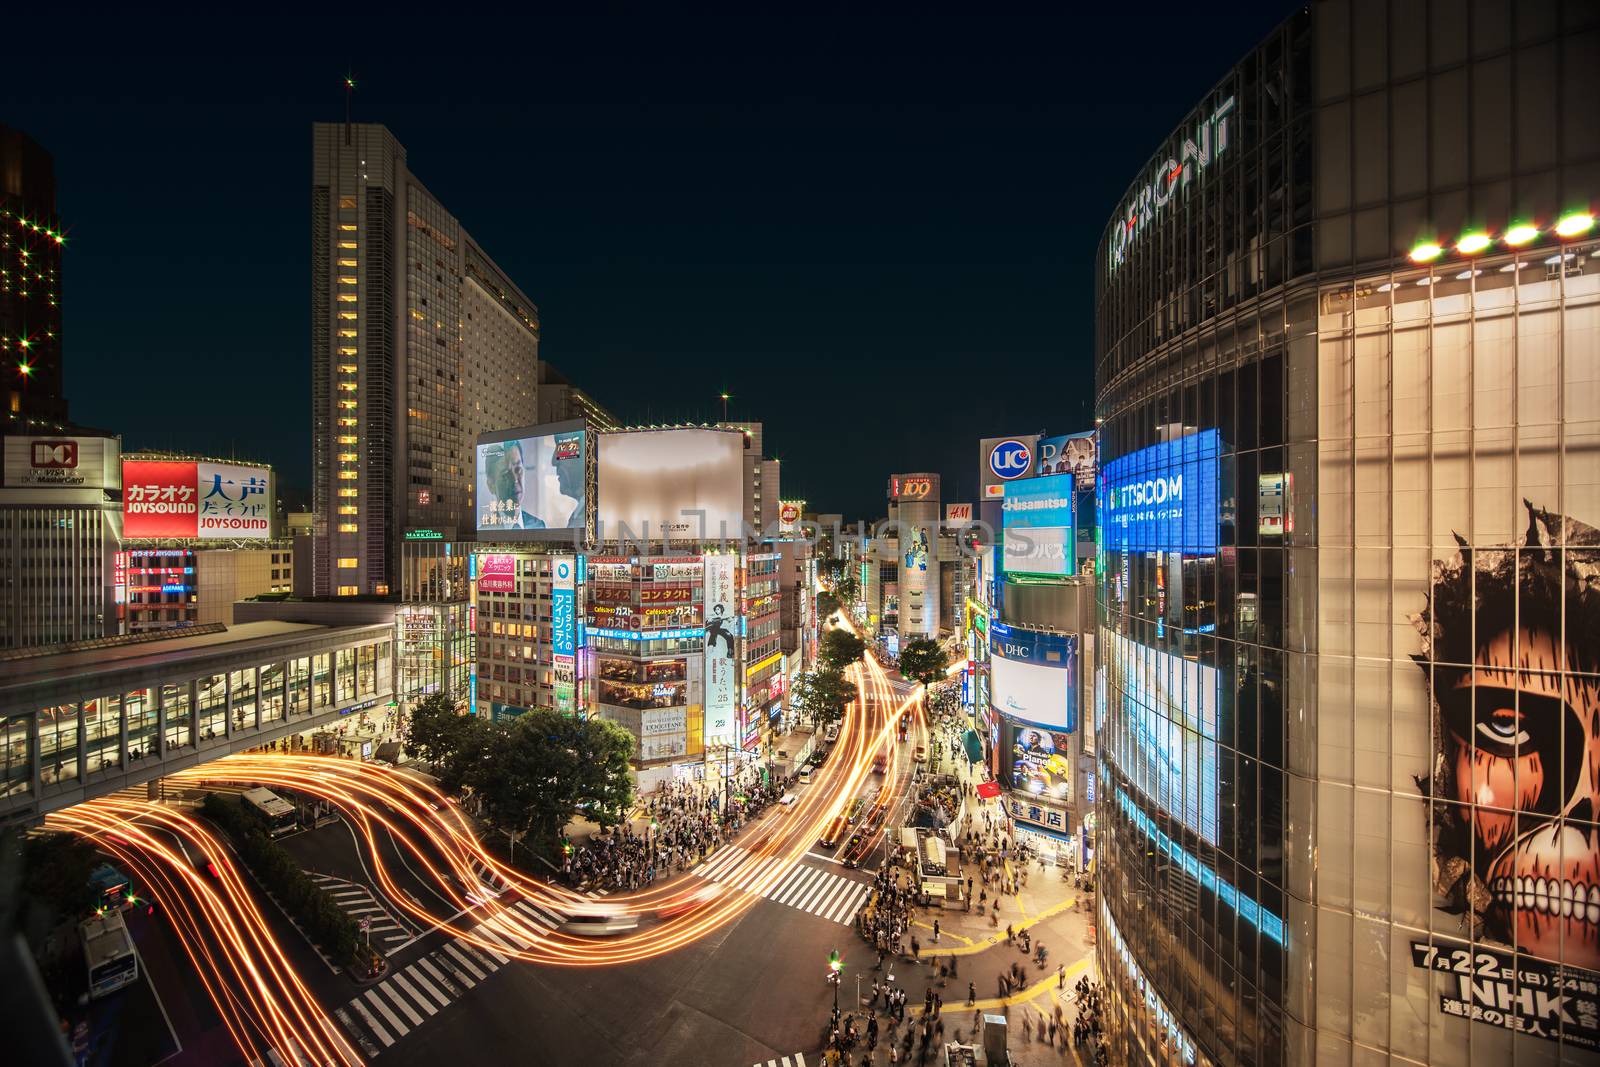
{"x":349,"y":92}
{"x":725,"y":398}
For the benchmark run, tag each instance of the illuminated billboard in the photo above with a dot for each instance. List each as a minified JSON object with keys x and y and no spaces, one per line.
{"x":913,"y":487}
{"x":681,"y":485}
{"x":63,"y":462}
{"x":1039,"y":762}
{"x":530,"y":484}
{"x":1004,"y":459}
{"x":721,"y":685}
{"x":1034,"y":676}
{"x":1072,"y":453}
{"x":1162,"y":498}
{"x":1036,"y":518}
{"x":196,"y":499}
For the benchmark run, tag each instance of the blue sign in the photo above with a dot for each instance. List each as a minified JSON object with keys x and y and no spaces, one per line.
{"x":647,"y":635}
{"x":1162,"y":498}
{"x":1032,"y":646}
{"x":1036,"y":518}
{"x":1010,"y":459}
{"x":564,"y":633}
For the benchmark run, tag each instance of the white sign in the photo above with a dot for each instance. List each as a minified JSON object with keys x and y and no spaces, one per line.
{"x":1210,"y":140}
{"x":721,"y":630}
{"x":1030,"y":691}
{"x":660,"y":721}
{"x":64,"y":462}
{"x":679,"y":485}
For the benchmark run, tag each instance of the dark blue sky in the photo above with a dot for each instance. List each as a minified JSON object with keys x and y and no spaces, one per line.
{"x":876,"y":234}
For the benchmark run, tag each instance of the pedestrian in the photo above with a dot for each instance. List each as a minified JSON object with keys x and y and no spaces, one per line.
{"x":972,"y":993}
{"x":1061,"y":977}
{"x":936,"y":931}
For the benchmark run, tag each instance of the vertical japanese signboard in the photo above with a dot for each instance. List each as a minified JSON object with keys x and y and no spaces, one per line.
{"x":563,"y":629}
{"x":721,"y":626}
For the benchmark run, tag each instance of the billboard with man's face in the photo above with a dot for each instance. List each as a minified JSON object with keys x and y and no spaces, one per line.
{"x":530,"y":484}
{"x":680,"y":485}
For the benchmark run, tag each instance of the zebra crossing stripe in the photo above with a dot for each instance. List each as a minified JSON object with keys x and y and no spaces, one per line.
{"x":461,"y":958}
{"x":372,"y":1024}
{"x":484,"y":931}
{"x":847,"y":904}
{"x":808,"y":899}
{"x":401,"y":1002}
{"x":825,"y":900}
{"x":534,"y":915}
{"x":450,"y":987}
{"x":786,"y":892}
{"x":371,"y":996}
{"x":422,"y":1002}
{"x":415,"y":971}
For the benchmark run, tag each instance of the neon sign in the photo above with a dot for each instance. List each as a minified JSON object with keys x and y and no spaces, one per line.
{"x":1210,"y":140}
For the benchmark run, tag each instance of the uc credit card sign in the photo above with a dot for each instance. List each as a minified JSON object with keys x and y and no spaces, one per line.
{"x":1162,"y":498}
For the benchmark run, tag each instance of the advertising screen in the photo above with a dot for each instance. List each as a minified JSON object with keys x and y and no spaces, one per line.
{"x":1072,"y":453}
{"x":1035,"y":693}
{"x":530,"y":484}
{"x":497,"y":573}
{"x":1169,"y":750}
{"x":193,"y":499}
{"x":563,"y":616}
{"x":913,"y":487}
{"x":1038,"y":761}
{"x":677,"y":484}
{"x":721,"y":685}
{"x":1037,"y":522}
{"x":1162,"y":498}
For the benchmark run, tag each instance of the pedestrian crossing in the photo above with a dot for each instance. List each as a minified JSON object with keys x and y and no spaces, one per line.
{"x":387,"y":932}
{"x":809,"y":889}
{"x":797,"y":1060}
{"x":394,"y":1007}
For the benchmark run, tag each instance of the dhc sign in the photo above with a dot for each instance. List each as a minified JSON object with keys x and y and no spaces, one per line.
{"x":1210,"y":140}
{"x":1162,"y":498}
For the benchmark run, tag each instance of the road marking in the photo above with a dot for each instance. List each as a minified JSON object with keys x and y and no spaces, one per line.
{"x":372,"y":1024}
{"x":427,"y":965}
{"x":401,"y":1003}
{"x":802,"y":876}
{"x":422,"y":1002}
{"x":820,"y":856}
{"x":484,"y":931}
{"x":415,"y":971}
{"x":371,"y":996}
{"x":461,"y":958}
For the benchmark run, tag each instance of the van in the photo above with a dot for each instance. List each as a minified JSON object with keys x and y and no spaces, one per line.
{"x":805,"y":775}
{"x":831,"y":733}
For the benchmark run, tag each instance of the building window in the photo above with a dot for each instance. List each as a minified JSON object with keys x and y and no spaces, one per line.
{"x":347,"y":298}
{"x":347,"y":439}
{"x":348,"y":562}
{"x":349,"y":527}
{"x":350,"y":491}
{"x":349,"y":476}
{"x":349,"y":509}
{"x":347,"y":590}
{"x":347,"y":457}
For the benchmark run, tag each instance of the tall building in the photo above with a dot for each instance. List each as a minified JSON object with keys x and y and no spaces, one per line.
{"x":419,"y":343}
{"x":31,"y":242}
{"x":1348,"y":326}
{"x":762,"y":484}
{"x":561,"y":401}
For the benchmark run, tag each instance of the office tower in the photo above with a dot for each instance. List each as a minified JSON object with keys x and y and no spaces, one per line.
{"x":562,"y":401}
{"x":31,"y":243}
{"x":1348,"y":325}
{"x":419,"y":344}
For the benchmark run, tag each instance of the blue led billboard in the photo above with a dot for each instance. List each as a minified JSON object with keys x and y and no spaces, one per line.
{"x":1162,"y":498}
{"x":1036,"y":519}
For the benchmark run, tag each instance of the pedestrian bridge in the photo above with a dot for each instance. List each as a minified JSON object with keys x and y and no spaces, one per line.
{"x":101,"y":716}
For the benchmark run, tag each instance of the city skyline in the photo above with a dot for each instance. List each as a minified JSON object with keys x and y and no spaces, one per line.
{"x":970,"y":192}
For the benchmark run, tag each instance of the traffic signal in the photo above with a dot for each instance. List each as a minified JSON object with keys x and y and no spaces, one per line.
{"x":833,"y":961}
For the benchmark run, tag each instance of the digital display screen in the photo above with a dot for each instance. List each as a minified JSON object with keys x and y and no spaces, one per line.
{"x":1162,"y":498}
{"x":1036,"y":519}
{"x":531,"y":487}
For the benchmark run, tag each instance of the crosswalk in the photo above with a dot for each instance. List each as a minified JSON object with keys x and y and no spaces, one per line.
{"x":809,"y":889}
{"x":797,"y":1060}
{"x":392,"y":1008}
{"x":357,"y":901}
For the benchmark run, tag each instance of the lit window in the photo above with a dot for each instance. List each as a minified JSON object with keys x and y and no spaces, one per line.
{"x":347,"y":202}
{"x":348,"y":405}
{"x":347,"y":387}
{"x":347,"y":262}
{"x":347,"y":368}
{"x":347,"y":333}
{"x":345,"y":279}
{"x":349,"y":476}
{"x":347,"y":298}
{"x":348,"y":562}
{"x":350,"y":492}
{"x":348,"y":227}
{"x":349,"y":509}
{"x":347,"y":439}
{"x":347,"y":590}
{"x":347,"y":314}
{"x":349,"y":527}
{"x":348,"y":424}
{"x":382,"y":589}
{"x":347,"y":457}
{"x":347,"y":350}
{"x":347,"y":244}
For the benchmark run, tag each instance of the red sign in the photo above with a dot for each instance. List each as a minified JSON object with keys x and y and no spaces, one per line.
{"x":789,"y":514}
{"x":913,"y":487}
{"x":611,"y":594}
{"x":988,"y":790}
{"x":649,"y":595}
{"x":159,"y":499}
{"x":497,"y":573}
{"x":54,"y":455}
{"x":958,"y":513}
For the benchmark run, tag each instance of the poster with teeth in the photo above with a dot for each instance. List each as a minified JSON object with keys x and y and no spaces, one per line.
{"x":1510,"y":654}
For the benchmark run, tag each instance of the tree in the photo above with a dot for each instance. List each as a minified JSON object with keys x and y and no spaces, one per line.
{"x":827,"y":604}
{"x":840,"y":648}
{"x":923,"y":661}
{"x":822,"y":695}
{"x":847,"y":588}
{"x":436,"y":729}
{"x":543,"y":767}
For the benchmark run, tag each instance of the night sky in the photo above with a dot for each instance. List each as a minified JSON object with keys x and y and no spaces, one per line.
{"x":876,"y":234}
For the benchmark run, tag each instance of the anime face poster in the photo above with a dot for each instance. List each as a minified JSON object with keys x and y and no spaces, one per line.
{"x":1511,"y":642}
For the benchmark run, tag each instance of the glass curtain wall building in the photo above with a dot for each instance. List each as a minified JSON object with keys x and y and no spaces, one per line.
{"x":1347,"y":674}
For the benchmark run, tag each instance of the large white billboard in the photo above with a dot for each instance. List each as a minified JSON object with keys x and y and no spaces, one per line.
{"x":63,"y":462}
{"x":1033,"y":692}
{"x":721,"y":681}
{"x":683,"y":485}
{"x":530,"y":484}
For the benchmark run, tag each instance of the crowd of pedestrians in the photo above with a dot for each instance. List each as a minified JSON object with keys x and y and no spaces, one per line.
{"x":688,"y":821}
{"x":1086,"y":1032}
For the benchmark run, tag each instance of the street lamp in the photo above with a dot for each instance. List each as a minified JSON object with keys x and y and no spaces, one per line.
{"x":834,"y":967}
{"x":725,"y":398}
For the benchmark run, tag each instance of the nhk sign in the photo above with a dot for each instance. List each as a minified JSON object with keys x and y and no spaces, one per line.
{"x":192,"y":499}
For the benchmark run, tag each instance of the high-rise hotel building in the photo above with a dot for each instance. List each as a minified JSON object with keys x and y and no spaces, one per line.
{"x":1348,"y":662}
{"x":419,"y":343}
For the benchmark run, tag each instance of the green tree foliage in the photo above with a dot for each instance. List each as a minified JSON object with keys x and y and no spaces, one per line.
{"x":822,"y":695}
{"x":840,"y":648}
{"x":436,"y":729}
{"x":923,"y":661}
{"x":827,"y":604}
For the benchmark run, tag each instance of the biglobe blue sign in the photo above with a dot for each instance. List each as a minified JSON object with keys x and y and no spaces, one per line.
{"x":1010,"y":459}
{"x":1162,"y":498}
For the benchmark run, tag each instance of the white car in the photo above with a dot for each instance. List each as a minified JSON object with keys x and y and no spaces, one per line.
{"x":831,"y":734}
{"x":599,"y":924}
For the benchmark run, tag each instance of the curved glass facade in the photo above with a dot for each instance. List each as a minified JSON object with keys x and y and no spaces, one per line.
{"x":1347,"y":670}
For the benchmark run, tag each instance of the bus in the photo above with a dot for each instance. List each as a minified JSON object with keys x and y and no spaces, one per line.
{"x":108,"y":953}
{"x":113,"y":890}
{"x":280,"y":816}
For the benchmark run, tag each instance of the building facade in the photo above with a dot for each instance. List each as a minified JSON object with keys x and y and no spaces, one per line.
{"x":190,"y":585}
{"x":1348,"y":326}
{"x":31,"y":245}
{"x":419,"y":344}
{"x":562,"y":401}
